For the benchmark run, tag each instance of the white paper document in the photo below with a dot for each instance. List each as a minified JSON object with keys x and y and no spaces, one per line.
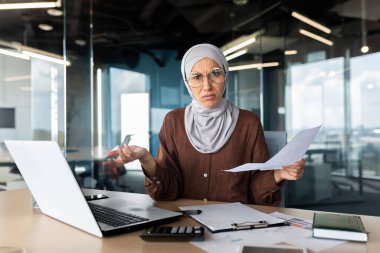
{"x":292,"y":152}
{"x":297,"y":234}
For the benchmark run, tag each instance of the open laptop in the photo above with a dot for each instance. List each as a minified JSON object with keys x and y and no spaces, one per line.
{"x":53,"y":185}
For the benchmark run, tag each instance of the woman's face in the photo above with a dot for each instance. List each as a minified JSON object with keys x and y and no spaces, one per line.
{"x":209,"y":82}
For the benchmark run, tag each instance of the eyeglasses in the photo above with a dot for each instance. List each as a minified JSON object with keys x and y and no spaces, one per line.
{"x":216,"y":76}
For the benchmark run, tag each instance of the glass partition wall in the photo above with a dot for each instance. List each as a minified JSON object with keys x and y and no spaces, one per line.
{"x":333,"y":80}
{"x":302,"y":64}
{"x":32,"y":81}
{"x":46,"y":82}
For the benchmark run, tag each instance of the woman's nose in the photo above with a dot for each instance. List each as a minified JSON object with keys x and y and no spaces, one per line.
{"x":207,"y":85}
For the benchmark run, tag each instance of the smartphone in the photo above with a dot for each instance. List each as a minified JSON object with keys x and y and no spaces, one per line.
{"x":272,"y":249}
{"x":95,"y":197}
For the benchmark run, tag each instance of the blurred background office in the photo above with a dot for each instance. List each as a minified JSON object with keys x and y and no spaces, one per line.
{"x":90,"y":74}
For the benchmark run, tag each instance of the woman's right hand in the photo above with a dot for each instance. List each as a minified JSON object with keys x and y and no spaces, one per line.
{"x":124,"y":155}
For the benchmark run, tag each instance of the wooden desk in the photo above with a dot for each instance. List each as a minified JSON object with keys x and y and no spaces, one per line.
{"x":22,"y":226}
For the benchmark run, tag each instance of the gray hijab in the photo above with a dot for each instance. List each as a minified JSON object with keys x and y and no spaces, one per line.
{"x":208,"y":129}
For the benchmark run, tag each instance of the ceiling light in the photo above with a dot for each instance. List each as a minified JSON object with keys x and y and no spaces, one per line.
{"x":281,"y":110}
{"x":239,"y":46}
{"x":14,"y":54}
{"x":290,"y":52}
{"x":311,"y":22}
{"x":55,"y":12}
{"x":80,"y":42}
{"x":46,"y":58}
{"x":32,"y":5}
{"x":364,"y":49}
{"x":241,"y":2}
{"x":25,"y":88}
{"x":316,"y":37}
{"x":17,"y":78}
{"x":254,"y":66}
{"x":45,"y":27}
{"x":241,"y":42}
{"x":237,"y":54}
{"x":28,"y":52}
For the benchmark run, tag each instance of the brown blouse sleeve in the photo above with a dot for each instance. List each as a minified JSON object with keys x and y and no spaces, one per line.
{"x":167,"y":184}
{"x":263,"y":188}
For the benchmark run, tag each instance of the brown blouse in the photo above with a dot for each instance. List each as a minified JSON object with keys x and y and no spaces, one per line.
{"x":183,"y":172}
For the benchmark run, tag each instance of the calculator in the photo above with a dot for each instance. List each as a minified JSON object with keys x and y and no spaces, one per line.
{"x":174,"y":234}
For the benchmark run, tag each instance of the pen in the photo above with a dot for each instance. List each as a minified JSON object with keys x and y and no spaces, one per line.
{"x":251,"y":225}
{"x":254,"y":225}
{"x":190,"y":212}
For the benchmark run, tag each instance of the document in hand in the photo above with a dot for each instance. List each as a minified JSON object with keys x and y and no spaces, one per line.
{"x":292,"y":152}
{"x":232,"y":216}
{"x":339,"y":226}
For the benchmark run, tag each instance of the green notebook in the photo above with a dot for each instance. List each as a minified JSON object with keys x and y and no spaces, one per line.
{"x":339,"y":226}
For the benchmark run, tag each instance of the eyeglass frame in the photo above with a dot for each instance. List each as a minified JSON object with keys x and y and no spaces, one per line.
{"x":209,"y":78}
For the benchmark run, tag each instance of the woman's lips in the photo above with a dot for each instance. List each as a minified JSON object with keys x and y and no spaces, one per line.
{"x":208,"y":97}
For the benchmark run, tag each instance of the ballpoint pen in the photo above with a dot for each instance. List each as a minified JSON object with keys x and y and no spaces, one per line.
{"x":190,"y":212}
{"x":249,"y":225}
{"x":254,"y":225}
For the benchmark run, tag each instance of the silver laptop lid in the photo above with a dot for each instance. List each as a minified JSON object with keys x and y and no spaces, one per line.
{"x":52,"y":183}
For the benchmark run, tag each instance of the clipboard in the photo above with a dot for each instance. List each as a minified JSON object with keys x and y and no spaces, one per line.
{"x":232,"y":217}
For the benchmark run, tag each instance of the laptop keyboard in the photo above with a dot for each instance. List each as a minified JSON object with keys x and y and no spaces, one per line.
{"x":113,"y":217}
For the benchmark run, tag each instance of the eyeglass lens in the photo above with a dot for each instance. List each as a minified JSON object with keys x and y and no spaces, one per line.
{"x":216,"y":75}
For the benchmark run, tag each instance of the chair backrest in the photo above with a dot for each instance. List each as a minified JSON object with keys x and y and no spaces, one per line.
{"x":276,"y":140}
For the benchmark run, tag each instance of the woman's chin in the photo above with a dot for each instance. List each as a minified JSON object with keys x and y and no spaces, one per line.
{"x":209,"y":104}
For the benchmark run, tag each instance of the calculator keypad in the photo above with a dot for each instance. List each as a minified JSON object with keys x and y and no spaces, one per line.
{"x":182,"y":233}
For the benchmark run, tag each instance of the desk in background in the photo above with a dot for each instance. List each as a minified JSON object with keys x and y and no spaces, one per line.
{"x":23,"y":226}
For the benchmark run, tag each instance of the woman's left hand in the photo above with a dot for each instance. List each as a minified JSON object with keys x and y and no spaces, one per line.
{"x":290,"y":172}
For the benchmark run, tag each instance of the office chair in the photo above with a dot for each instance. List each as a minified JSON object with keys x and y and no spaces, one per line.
{"x":276,"y":140}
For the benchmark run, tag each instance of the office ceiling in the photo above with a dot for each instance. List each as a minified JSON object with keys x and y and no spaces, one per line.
{"x":124,"y":29}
